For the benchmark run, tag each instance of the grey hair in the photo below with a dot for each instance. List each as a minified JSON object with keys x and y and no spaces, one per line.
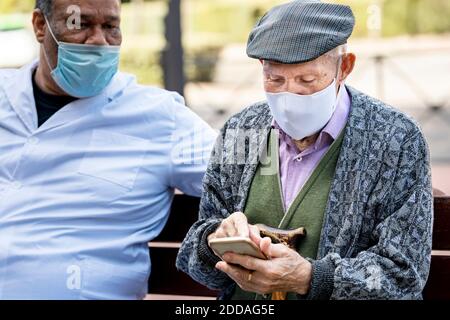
{"x":45,"y":6}
{"x":336,"y":53}
{"x":333,"y":57}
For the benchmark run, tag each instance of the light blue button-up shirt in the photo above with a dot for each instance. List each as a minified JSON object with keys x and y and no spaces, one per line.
{"x":81,"y":196}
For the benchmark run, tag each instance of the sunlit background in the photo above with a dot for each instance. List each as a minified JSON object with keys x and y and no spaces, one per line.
{"x":402,"y":46}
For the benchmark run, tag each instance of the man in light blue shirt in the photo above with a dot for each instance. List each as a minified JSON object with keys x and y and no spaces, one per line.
{"x":89,"y":161}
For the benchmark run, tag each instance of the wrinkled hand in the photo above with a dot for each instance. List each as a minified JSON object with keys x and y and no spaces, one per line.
{"x":236,"y":225}
{"x":286,"y":271}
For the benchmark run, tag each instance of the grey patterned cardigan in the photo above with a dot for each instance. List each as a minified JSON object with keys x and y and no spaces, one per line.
{"x":376,"y":236}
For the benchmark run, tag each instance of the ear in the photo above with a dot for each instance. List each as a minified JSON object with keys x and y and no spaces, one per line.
{"x":348,"y":63}
{"x":39,"y":25}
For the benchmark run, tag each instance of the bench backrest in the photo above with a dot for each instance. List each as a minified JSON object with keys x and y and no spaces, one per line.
{"x":438,"y":284}
{"x":166,"y":279}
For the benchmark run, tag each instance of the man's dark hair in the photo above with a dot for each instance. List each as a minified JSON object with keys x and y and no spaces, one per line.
{"x":45,"y":6}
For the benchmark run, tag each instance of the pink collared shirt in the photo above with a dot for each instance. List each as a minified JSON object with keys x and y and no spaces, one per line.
{"x":296,"y":166}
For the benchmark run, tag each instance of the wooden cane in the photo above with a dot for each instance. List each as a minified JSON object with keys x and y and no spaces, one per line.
{"x":289,"y":238}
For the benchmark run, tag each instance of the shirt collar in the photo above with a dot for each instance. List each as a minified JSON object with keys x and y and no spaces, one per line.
{"x":19,"y":92}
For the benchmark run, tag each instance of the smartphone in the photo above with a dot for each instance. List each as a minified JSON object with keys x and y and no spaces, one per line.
{"x":240,"y":245}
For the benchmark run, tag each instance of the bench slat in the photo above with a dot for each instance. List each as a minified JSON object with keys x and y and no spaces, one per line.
{"x":438,"y":284}
{"x":441,"y":229}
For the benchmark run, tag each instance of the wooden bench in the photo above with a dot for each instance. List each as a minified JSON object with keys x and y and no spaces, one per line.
{"x":165,"y":278}
{"x":438,"y":284}
{"x":167,"y":282}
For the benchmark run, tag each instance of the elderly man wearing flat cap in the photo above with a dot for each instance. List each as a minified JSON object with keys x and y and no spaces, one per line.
{"x":351,"y":170}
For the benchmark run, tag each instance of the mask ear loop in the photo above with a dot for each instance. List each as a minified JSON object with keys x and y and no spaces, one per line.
{"x":339,"y":90}
{"x":339,"y":67}
{"x":337,"y":74}
{"x":54,"y":38}
{"x":51,"y":31}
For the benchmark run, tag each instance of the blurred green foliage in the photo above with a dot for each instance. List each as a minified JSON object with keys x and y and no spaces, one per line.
{"x":230,"y":20}
{"x":144,"y":64}
{"x":208,"y":25}
{"x":14,"y":6}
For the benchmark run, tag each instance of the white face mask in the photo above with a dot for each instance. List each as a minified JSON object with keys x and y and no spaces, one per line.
{"x":301,"y":116}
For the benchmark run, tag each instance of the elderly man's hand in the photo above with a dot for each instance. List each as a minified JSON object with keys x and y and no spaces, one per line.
{"x":286,"y":271}
{"x":236,"y":225}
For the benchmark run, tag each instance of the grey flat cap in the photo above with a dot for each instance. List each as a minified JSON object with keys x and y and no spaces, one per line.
{"x":300,"y":31}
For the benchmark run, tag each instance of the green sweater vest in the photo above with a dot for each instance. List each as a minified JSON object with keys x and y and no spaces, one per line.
{"x":265,"y":204}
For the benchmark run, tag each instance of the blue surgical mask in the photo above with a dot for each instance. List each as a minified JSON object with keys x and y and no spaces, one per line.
{"x":83,"y":70}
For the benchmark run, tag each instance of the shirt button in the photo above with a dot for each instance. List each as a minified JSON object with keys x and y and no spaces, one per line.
{"x":33,"y":141}
{"x":16,"y":185}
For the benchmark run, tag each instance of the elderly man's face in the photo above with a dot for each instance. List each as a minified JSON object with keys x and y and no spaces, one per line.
{"x":304,"y":79}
